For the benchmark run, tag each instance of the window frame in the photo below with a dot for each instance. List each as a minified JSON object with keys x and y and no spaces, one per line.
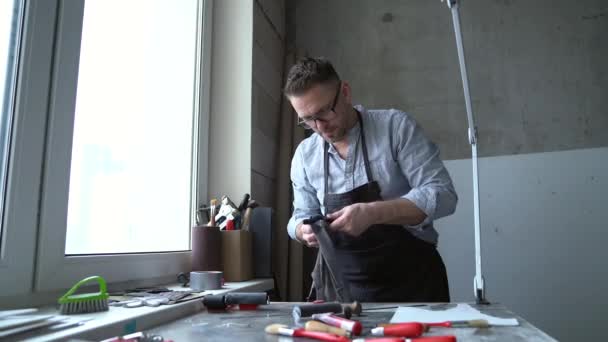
{"x":54,"y":269}
{"x":20,"y":219}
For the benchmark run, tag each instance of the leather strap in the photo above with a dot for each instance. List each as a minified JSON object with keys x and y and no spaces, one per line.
{"x":368,"y":169}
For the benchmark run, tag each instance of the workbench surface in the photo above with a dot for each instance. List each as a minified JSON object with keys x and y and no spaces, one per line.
{"x":249,"y":325}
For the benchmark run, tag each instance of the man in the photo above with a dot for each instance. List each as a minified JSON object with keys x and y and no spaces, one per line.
{"x":379,"y":181}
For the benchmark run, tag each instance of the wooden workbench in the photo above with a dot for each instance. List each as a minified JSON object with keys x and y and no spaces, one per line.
{"x":249,"y":325}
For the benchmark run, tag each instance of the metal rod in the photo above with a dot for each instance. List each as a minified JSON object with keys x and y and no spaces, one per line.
{"x":392,"y":307}
{"x":478,"y":281}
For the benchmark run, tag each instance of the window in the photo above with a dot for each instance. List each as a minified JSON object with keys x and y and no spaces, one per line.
{"x":125,"y":162}
{"x":129,"y":188}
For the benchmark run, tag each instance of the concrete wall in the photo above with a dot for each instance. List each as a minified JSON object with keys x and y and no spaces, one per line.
{"x":537,"y":68}
{"x":539,"y":82}
{"x":268,"y":56}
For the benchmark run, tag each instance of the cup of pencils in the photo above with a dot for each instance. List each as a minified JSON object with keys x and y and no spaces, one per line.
{"x":207,"y":242}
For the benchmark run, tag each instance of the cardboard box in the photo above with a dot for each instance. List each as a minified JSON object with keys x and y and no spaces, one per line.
{"x":236,"y":255}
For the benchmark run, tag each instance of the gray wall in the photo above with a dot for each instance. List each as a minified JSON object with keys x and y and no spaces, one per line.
{"x":539,"y":82}
{"x":231,"y":99}
{"x":537,"y":68}
{"x":543,"y":222}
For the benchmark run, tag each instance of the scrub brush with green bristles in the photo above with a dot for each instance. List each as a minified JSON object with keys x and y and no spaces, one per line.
{"x":71,"y":303}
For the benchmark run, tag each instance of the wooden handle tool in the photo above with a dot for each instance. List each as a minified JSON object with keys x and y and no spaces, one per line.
{"x":322,"y":327}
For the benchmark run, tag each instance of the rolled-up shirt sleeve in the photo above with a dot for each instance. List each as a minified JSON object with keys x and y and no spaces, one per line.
{"x":432,"y":188}
{"x":305,"y":201}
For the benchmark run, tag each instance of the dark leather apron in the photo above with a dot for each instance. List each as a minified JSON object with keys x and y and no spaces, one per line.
{"x":384,"y":264}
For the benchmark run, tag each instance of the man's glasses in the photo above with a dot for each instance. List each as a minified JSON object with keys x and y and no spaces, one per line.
{"x":325,"y":115}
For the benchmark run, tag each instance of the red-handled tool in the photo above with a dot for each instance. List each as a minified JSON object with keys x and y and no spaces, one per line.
{"x":402,"y":329}
{"x":446,"y":338}
{"x":281,"y":329}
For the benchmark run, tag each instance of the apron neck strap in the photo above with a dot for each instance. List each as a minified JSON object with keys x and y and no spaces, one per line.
{"x":368,"y":170}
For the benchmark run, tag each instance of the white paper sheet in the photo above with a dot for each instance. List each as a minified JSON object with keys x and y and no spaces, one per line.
{"x":461,"y":312}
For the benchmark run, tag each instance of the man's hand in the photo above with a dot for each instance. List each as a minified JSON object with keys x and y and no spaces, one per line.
{"x":305,"y":234}
{"x":353,"y":219}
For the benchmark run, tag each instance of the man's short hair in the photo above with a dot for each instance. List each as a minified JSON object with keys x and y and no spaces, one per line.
{"x":308,"y":72}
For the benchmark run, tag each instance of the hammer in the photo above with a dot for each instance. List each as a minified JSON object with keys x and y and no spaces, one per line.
{"x":247,"y":217}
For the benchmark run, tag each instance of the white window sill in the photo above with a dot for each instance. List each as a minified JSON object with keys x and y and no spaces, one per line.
{"x":121,"y":321}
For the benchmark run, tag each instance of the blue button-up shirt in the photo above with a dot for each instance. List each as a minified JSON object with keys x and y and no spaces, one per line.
{"x":403,"y":161}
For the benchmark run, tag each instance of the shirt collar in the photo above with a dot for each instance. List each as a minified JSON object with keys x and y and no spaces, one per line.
{"x":353,"y":134}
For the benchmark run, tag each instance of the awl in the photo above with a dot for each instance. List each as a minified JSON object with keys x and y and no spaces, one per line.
{"x":476,"y":323}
